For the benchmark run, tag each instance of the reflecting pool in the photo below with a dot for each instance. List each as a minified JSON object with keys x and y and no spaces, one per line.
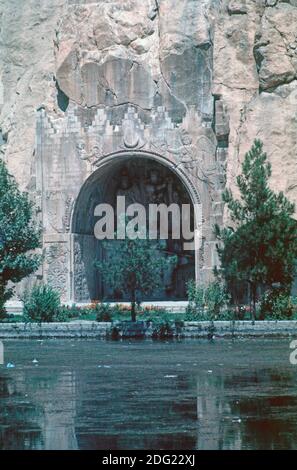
{"x":191,"y":394}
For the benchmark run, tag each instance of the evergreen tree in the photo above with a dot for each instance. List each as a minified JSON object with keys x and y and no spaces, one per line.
{"x":261,"y":247}
{"x":18,"y":236}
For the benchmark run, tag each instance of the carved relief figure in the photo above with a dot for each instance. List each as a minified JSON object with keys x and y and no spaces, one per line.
{"x":155,"y":188}
{"x":129,"y":188}
{"x":81,"y":150}
{"x":197,"y":159}
{"x":96,"y":153}
{"x":97,"y":150}
{"x":186,"y":151}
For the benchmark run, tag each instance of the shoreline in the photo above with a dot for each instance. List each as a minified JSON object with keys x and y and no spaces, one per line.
{"x":192,"y":329}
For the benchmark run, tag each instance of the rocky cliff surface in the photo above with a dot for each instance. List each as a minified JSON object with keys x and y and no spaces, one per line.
{"x":233,"y":61}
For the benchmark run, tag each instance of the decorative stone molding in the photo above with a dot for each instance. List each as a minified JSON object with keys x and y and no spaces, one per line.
{"x":193,"y":150}
{"x":56,"y":262}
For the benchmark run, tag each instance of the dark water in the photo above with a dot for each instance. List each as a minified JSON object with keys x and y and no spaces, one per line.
{"x":194,"y":394}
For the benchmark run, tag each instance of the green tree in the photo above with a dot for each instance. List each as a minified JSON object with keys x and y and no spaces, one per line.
{"x":260,"y":248}
{"x":18,"y":236}
{"x":136,"y":268}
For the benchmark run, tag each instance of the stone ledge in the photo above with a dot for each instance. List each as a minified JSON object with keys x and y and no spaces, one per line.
{"x":245,"y":328}
{"x":202,"y":329}
{"x":86,"y":329}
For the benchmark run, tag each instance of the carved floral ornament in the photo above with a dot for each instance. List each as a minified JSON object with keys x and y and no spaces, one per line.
{"x":56,"y":259}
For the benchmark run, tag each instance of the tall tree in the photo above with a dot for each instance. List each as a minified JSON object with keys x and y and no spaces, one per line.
{"x":260,"y":248}
{"x":135,"y":269}
{"x":19,"y":236}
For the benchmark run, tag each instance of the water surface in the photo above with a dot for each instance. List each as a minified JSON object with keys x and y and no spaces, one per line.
{"x":195,"y":394}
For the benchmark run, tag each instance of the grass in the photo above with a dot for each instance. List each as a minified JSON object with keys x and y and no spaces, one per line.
{"x":123,"y":314}
{"x":11,"y":318}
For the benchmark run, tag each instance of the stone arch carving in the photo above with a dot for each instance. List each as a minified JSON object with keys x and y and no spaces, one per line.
{"x":72,"y":152}
{"x":177,"y":169}
{"x":107,"y":163}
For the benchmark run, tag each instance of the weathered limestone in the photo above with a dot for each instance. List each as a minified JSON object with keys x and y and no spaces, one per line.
{"x":187,"y":83}
{"x":275,"y":46}
{"x":255,"y":74}
{"x":26,"y":78}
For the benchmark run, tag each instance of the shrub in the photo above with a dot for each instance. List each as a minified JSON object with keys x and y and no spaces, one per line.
{"x":70,"y":311}
{"x":228,"y":315}
{"x":276,"y":304}
{"x":104,"y":312}
{"x":66,"y":313}
{"x":216,"y":298}
{"x":42,"y":304}
{"x":196,"y":308}
{"x":193,"y":314}
{"x":206,"y":302}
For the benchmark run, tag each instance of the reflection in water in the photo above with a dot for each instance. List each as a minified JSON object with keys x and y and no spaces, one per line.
{"x":240,"y":411}
{"x":151,"y":395}
{"x":19,"y":418}
{"x":37,"y":412}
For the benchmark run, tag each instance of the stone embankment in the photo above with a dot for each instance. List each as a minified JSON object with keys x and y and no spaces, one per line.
{"x":202,"y":329}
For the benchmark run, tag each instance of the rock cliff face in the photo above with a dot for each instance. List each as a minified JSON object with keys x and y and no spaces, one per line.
{"x":142,"y":51}
{"x":194,"y":80}
{"x":255,"y":73}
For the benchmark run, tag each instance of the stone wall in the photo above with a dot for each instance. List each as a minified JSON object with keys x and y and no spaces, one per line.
{"x":191,"y":83}
{"x":202,"y":329}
